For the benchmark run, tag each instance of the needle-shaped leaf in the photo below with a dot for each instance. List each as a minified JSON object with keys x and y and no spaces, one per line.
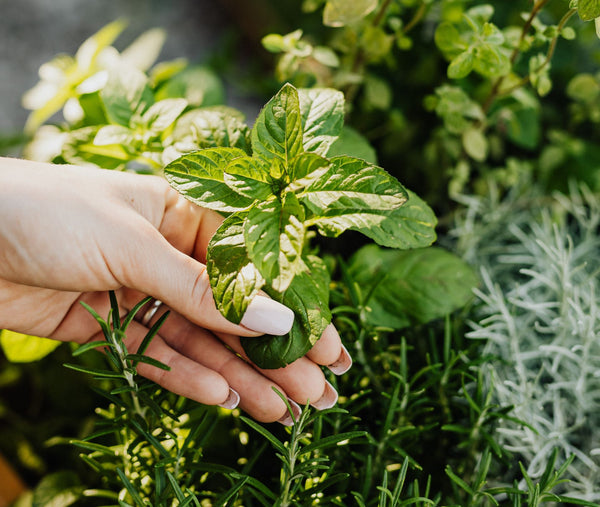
{"x":322,"y":112}
{"x":277,"y":132}
{"x":308,"y":296}
{"x":274,"y":236}
{"x":199,"y":176}
{"x":233,"y":277}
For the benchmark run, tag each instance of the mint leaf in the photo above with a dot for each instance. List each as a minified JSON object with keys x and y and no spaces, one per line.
{"x":126,"y":92}
{"x":308,"y":297}
{"x":248,"y":177}
{"x":277,"y":132}
{"x":233,"y":278}
{"x":199,"y":177}
{"x":410,"y":287}
{"x":322,"y":111}
{"x":354,"y":188}
{"x":305,"y":169}
{"x":274,"y":234}
{"x":210,"y":127}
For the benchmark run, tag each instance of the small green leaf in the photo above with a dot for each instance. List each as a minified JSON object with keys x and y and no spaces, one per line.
{"x":274,"y":236}
{"x":475,"y":143}
{"x":342,"y":13}
{"x":322,"y":111}
{"x":411,"y":287}
{"x":277,"y":132}
{"x":308,"y":297}
{"x":588,"y":9}
{"x":461,"y":66}
{"x":233,"y":277}
{"x":126,"y":92}
{"x":199,"y":177}
{"x":448,"y":39}
{"x":114,"y":134}
{"x":211,"y":127}
{"x":162,"y":114}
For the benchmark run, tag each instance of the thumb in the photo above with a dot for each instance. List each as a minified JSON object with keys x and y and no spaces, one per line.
{"x":182,"y":283}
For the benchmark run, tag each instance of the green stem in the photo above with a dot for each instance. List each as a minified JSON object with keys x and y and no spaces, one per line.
{"x":495,"y":91}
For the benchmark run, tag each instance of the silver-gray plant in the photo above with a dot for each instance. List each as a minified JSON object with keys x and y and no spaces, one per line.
{"x":539,"y":313}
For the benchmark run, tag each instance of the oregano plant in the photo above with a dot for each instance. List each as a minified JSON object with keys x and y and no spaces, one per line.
{"x":274,"y":196}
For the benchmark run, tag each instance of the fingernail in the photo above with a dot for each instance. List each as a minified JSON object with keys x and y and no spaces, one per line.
{"x":232,"y":400}
{"x":265,"y":315}
{"x":329,"y":398}
{"x":342,"y":364}
{"x":287,"y":419}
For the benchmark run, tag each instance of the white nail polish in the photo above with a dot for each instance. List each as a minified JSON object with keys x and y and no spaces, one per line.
{"x":342,"y":364}
{"x":232,"y":400}
{"x":287,"y":419}
{"x":328,"y":399}
{"x":265,"y":315}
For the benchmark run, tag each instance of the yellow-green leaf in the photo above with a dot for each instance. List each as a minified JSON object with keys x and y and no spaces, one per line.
{"x":23,"y":348}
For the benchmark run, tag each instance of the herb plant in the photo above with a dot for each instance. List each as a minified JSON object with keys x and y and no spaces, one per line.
{"x":272,"y":197}
{"x":482,"y":108}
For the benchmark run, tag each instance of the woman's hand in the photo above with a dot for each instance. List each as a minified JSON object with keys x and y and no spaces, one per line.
{"x":70,"y":234}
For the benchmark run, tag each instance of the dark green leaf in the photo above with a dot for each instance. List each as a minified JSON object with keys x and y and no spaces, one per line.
{"x":199,"y":177}
{"x":308,"y":297}
{"x":233,"y":277}
{"x":412,"y":286}
{"x":94,"y":371}
{"x":322,"y":111}
{"x":138,"y":358}
{"x":274,"y":237}
{"x":152,"y":333}
{"x":277,"y":132}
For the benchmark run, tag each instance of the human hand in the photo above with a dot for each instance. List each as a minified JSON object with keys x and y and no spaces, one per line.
{"x":70,"y":234}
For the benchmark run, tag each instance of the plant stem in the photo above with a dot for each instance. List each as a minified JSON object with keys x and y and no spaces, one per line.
{"x":495,"y":91}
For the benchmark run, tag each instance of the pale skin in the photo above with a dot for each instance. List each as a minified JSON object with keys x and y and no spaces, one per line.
{"x":70,"y":234}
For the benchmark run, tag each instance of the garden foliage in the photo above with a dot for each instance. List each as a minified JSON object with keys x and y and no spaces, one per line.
{"x":474,"y":378}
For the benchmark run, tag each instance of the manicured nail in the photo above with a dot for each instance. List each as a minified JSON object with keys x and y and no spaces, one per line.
{"x":287,"y":419}
{"x":232,"y":400}
{"x":265,"y":315}
{"x":342,"y":364}
{"x":329,"y":398}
